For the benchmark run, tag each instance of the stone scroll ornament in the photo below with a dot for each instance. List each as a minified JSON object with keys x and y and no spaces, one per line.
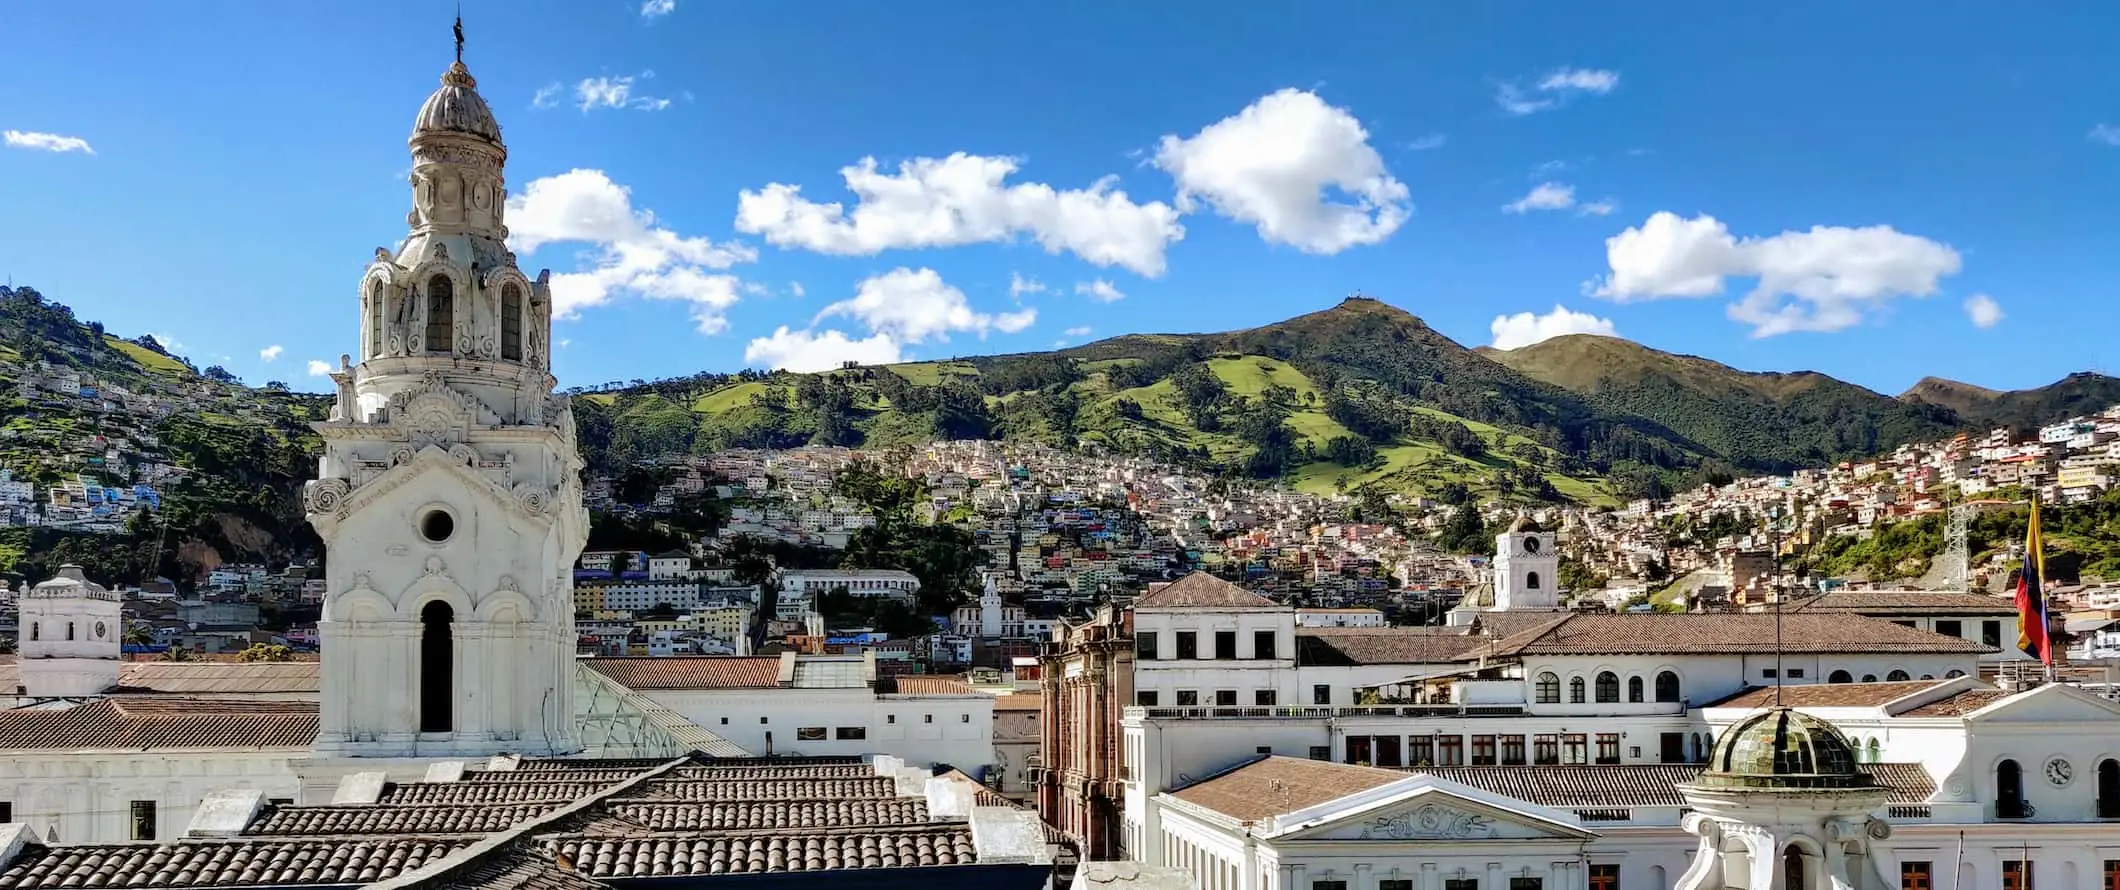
{"x":325,"y":496}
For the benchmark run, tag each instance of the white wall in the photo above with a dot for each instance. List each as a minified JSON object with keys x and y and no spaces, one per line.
{"x":957,"y":730}
{"x":88,"y":795}
{"x":1165,"y":676}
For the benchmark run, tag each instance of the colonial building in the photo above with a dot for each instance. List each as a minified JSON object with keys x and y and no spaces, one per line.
{"x":1087,"y":676}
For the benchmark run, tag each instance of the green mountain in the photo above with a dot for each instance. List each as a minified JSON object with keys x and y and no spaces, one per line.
{"x":1977,"y":408}
{"x":1763,"y":421}
{"x":244,"y":452}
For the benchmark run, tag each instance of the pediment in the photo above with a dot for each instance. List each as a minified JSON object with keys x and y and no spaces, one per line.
{"x":331,"y":501}
{"x":2053,"y":703}
{"x":1424,"y":808}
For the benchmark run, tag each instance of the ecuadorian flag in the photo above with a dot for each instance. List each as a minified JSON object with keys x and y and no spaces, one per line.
{"x":2031,"y":596}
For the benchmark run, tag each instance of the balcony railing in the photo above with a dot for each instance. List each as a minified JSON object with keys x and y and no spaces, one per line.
{"x":1907,"y":811}
{"x":2014,"y":809}
{"x":1313,"y":712}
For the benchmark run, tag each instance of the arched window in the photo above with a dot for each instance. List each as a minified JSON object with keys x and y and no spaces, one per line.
{"x":1869,"y":678}
{"x":1953,"y":674}
{"x":1840,"y":677}
{"x":1898,"y":676}
{"x":1666,"y":686}
{"x":376,"y":313}
{"x":1876,"y":752}
{"x":1607,"y":687}
{"x":69,"y":630}
{"x":1575,"y":690}
{"x":1792,"y":875}
{"x":33,"y":627}
{"x":437,"y":657}
{"x":1549,"y":688}
{"x":441,"y":314}
{"x":1530,"y":580}
{"x":2109,"y":789}
{"x":512,"y":323}
{"x":1634,"y":689}
{"x":2009,"y":791}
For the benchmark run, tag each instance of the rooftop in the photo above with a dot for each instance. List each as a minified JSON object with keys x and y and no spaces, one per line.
{"x":1824,"y":695}
{"x":1919,"y":603}
{"x":1336,"y":646}
{"x":1201,"y":590}
{"x":1800,"y":633}
{"x":581,"y":824}
{"x":699,"y":672}
{"x":160,"y":722}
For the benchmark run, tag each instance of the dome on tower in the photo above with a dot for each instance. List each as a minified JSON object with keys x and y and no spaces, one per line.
{"x":70,"y":584}
{"x":457,"y":108}
{"x":1783,"y":748}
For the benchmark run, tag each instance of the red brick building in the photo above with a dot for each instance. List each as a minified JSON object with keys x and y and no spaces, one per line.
{"x":1087,"y":680}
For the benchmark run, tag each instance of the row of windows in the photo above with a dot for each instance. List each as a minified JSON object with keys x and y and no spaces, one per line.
{"x":1546,"y":749}
{"x":1186,"y":646}
{"x":1602,"y":877}
{"x":2009,"y":788}
{"x":1320,"y":694}
{"x":887,"y":718}
{"x":1893,"y":676}
{"x":843,"y":733}
{"x":2016,"y":875}
{"x":1547,"y":688}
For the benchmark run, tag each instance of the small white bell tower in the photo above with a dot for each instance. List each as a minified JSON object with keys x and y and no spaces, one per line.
{"x":72,"y":637}
{"x":1527,"y":568}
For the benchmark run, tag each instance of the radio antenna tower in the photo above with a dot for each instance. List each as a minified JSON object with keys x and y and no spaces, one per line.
{"x":1957,"y":550}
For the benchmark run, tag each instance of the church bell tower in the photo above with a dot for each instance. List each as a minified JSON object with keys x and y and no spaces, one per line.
{"x":448,"y":496}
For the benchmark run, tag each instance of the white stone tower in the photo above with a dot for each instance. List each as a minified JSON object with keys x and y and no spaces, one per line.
{"x":71,"y":639}
{"x":1783,"y":804}
{"x":1527,"y":569}
{"x":448,"y":497}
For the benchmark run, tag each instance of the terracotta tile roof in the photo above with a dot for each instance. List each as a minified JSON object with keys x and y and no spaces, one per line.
{"x":236,"y":863}
{"x":519,"y":867}
{"x":695,"y":815}
{"x":1273,"y":786}
{"x":918,"y":684}
{"x":487,"y":793}
{"x":1201,"y":590}
{"x":1637,"y":784}
{"x":433,"y":819}
{"x":137,"y":723}
{"x":566,"y":764}
{"x":766,"y":770}
{"x":1805,"y":633}
{"x":1958,"y":705}
{"x":1907,"y":602}
{"x":698,"y":672}
{"x":1825,"y":695}
{"x":760,"y":852}
{"x":222,"y":678}
{"x":1346,"y":646}
{"x":1019,"y":701}
{"x":510,"y":776}
{"x":740,"y":790}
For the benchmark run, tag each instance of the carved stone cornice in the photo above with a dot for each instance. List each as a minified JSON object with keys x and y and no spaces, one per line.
{"x":529,"y":501}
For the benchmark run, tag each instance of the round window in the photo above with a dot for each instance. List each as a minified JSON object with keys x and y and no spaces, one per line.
{"x":437,"y":525}
{"x":100,"y":630}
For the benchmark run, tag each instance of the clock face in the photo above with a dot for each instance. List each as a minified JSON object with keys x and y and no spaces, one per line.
{"x":1530,"y":545}
{"x":100,"y":630}
{"x":2059,"y":772}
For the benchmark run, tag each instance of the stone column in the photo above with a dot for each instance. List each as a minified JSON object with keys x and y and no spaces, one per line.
{"x":1430,"y":879}
{"x":1363,"y":880}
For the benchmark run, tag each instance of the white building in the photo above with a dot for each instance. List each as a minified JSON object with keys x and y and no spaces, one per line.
{"x":1339,"y":618}
{"x":71,"y":635}
{"x":893,"y":583}
{"x":798,"y":705}
{"x":1527,"y":570}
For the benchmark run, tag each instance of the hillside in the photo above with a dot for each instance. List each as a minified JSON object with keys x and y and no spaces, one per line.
{"x":1762,"y":421}
{"x":82,"y":408}
{"x":2023,"y":409}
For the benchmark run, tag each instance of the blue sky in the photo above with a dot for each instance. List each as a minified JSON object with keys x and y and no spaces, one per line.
{"x":1879,"y":191}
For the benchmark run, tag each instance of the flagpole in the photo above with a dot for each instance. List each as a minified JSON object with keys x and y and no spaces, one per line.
{"x":2046,"y":630}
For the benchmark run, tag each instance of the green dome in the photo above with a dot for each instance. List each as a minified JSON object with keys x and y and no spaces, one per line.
{"x":1782,"y":748}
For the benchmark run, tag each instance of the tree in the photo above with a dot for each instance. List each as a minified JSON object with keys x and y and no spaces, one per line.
{"x":218,"y":374}
{"x":264,"y":652}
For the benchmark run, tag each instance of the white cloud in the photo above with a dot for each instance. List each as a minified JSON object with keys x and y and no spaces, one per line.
{"x":1271,"y":164}
{"x":1983,"y":310}
{"x":1019,"y":285}
{"x":1596,"y":208}
{"x":51,"y":142}
{"x":1100,"y":290}
{"x":959,"y":200}
{"x":1554,"y":90}
{"x":655,"y":9}
{"x":1077,"y":332}
{"x":1588,"y":80}
{"x":1827,"y":278}
{"x":795,"y":288}
{"x":1526,"y":328}
{"x":319,"y":368}
{"x":270,"y":353}
{"x":914,"y":306}
{"x":614,"y":92}
{"x":629,"y":251}
{"x":1433,"y":140}
{"x":2106,"y":133}
{"x":547,"y":96}
{"x":1544,"y":196}
{"x":819,"y":351}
